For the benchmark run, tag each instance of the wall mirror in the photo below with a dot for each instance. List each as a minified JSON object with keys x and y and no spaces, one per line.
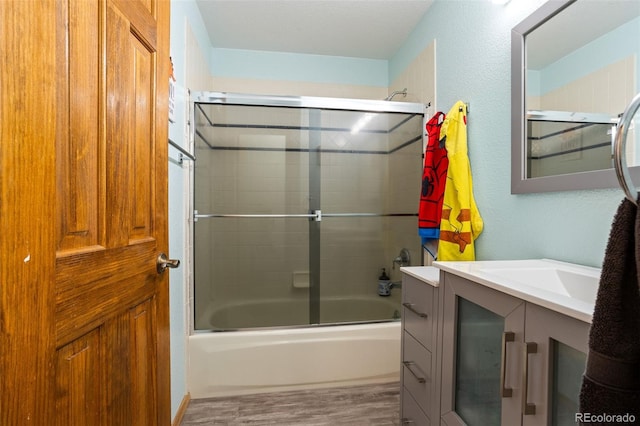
{"x":575,"y":66}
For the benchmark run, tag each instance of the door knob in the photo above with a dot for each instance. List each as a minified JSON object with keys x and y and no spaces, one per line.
{"x":162,"y":263}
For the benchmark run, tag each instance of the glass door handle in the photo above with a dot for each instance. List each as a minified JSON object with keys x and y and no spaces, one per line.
{"x":507,"y":336}
{"x":527,"y":407}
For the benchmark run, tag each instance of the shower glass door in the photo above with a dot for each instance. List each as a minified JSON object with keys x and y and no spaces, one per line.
{"x":299,"y":203}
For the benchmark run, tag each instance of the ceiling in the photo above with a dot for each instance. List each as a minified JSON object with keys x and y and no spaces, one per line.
{"x":373,"y":29}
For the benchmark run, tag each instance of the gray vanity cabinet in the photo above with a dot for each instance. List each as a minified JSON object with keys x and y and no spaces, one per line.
{"x":559,"y":361}
{"x":506,"y":361}
{"x":419,"y":390}
{"x":482,"y":330}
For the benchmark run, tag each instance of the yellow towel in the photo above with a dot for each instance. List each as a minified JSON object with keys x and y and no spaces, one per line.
{"x":461,"y":222}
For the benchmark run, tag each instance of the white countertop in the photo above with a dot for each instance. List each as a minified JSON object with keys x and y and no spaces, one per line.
{"x":428,"y":274}
{"x":559,"y":286}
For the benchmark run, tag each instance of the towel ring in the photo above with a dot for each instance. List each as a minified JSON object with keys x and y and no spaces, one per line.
{"x":619,"y":157}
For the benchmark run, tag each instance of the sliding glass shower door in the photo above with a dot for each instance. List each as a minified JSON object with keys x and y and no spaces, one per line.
{"x":299,"y":204}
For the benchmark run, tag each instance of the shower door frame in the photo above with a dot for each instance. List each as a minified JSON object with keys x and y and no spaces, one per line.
{"x":315,"y":215}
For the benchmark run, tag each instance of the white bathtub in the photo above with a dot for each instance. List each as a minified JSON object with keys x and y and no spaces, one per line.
{"x":295,"y":312}
{"x":244,"y":362}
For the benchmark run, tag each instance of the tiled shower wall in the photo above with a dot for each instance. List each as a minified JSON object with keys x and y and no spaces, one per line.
{"x":419,"y":78}
{"x":250,"y":259}
{"x":253,"y":258}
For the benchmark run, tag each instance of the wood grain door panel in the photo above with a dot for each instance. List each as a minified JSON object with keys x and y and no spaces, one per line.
{"x":80,"y":374}
{"x":79,"y":132}
{"x":110,"y":303}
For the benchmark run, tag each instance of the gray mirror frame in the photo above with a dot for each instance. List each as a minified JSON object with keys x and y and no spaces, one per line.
{"x":598,"y":179}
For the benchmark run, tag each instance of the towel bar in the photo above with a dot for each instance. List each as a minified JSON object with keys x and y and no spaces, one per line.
{"x":619,"y":157}
{"x":183,"y":152}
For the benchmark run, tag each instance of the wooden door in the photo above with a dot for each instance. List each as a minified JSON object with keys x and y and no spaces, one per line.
{"x":84,"y":321}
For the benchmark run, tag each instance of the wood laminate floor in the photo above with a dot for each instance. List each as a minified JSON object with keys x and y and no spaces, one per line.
{"x":353,"y":406}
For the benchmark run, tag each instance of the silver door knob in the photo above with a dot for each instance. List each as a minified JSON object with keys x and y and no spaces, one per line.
{"x":162,"y":263}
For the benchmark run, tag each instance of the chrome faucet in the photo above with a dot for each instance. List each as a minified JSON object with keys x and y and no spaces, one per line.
{"x":403,"y":259}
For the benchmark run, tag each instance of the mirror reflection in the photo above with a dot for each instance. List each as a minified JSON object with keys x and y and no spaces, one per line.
{"x":582,"y":66}
{"x":556,"y":144}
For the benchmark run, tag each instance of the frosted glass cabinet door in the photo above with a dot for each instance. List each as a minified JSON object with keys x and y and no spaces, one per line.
{"x":555,"y":369}
{"x":483,"y":330}
{"x":478,"y":355}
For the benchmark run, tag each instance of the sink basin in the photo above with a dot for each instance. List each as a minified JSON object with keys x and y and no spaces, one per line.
{"x":556,"y":280}
{"x":564,"y":287}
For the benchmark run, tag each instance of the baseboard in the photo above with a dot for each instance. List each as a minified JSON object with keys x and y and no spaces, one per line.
{"x":181,"y":410}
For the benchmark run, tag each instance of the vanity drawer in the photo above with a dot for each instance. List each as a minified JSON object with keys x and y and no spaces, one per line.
{"x":412,"y":414}
{"x":416,"y":371}
{"x":417,"y":311}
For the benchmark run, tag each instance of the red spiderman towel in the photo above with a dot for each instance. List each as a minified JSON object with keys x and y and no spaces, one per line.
{"x":434,"y":177}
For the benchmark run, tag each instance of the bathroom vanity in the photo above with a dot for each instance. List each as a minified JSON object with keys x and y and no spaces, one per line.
{"x":420,"y":329}
{"x":502,"y":342}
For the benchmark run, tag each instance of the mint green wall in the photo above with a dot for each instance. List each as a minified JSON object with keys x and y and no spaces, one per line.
{"x":473,"y":64}
{"x":252,"y":64}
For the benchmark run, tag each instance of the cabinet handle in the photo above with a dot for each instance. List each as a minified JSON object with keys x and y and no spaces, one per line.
{"x":406,"y":421}
{"x":527,"y":407}
{"x":507,"y":336}
{"x":409,"y":306}
{"x":408,"y":364}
